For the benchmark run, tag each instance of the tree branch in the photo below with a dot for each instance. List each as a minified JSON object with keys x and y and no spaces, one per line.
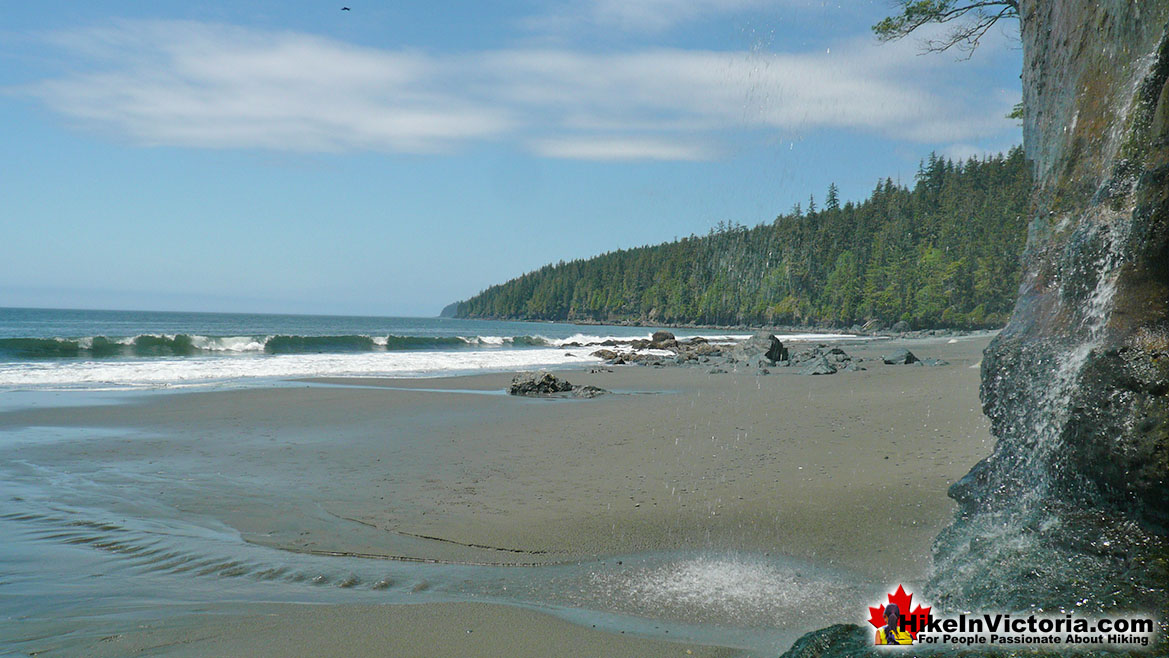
{"x":919,"y":13}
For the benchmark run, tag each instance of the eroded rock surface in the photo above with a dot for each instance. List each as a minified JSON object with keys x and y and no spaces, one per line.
{"x":1071,"y":511}
{"x":1072,"y":508}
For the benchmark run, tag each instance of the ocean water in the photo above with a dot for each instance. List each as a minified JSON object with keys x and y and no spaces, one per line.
{"x":97,"y":537}
{"x":65,"y":349}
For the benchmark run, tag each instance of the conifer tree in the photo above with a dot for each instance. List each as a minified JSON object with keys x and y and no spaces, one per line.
{"x":944,"y":253}
{"x":832,"y":201}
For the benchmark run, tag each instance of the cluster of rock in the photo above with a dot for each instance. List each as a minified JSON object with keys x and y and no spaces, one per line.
{"x":825,"y":360}
{"x":545,"y":384}
{"x":761,"y":352}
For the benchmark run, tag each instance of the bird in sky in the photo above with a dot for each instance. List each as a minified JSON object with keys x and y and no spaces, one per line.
{"x":346,"y":9}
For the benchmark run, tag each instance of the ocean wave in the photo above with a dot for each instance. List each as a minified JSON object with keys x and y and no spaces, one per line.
{"x":171,"y":345}
{"x":181,"y":372}
{"x":188,"y":345}
{"x":144,"y":345}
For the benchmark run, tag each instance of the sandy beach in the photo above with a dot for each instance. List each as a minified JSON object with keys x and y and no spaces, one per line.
{"x":845,"y":473}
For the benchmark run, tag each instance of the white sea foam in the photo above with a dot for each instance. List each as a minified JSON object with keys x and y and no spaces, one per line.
{"x":822,"y":337}
{"x":728,"y":589}
{"x":591,"y":339}
{"x":166,"y":372}
{"x":231,"y":358}
{"x":228,"y":344}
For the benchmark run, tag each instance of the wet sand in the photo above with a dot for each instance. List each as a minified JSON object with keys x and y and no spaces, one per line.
{"x":847,"y":472}
{"x":405,"y":631}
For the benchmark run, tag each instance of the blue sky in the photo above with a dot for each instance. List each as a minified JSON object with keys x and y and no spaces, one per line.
{"x":292,"y":157}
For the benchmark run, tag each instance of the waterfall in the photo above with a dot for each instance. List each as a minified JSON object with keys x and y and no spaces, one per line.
{"x":1065,"y":514}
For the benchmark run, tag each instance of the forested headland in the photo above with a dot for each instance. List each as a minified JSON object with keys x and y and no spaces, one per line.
{"x":944,"y":253}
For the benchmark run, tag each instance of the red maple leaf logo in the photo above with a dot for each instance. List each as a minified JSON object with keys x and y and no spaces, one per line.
{"x":902,"y":600}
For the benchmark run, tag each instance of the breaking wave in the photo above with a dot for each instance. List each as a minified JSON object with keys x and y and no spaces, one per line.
{"x":172,"y":345}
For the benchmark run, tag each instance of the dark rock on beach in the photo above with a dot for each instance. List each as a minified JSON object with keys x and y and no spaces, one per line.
{"x":776,"y":352}
{"x":821,"y":358}
{"x":662,"y":340}
{"x":820,"y":366}
{"x":702,"y":348}
{"x":587,"y":391}
{"x":537,"y":383}
{"x":761,"y":350}
{"x":899,"y":357}
{"x":545,"y":384}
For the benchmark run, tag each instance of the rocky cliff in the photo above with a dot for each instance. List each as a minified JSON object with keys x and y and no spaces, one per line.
{"x":1071,"y":511}
{"x":1072,"y":506}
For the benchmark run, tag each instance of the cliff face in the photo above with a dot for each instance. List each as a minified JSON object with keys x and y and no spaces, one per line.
{"x":1071,"y":511}
{"x":1074,"y":502}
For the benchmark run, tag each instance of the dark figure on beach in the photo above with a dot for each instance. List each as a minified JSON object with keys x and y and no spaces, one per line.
{"x":890,"y":633}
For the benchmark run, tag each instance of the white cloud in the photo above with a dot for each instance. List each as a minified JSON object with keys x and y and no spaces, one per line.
{"x":619,"y":148}
{"x":645,"y":16}
{"x":191,"y":84}
{"x":214,"y":86}
{"x":858,"y":87}
{"x":656,"y":15}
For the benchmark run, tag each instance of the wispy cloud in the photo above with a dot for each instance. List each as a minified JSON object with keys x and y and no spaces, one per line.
{"x":610,"y":148}
{"x":214,"y":86}
{"x":634,"y":15}
{"x":857,"y":87}
{"x":192,"y":84}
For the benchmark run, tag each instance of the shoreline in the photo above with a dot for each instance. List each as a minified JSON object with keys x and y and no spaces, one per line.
{"x":429,"y":467}
{"x":342,"y":631}
{"x":775,"y":329}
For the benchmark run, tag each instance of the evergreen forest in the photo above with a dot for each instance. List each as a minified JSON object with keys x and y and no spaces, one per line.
{"x":942,"y":254}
